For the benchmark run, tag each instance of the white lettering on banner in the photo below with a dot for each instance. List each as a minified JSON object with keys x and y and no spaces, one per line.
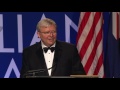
{"x":2,"y":49}
{"x":68,"y":23}
{"x":35,"y":38}
{"x":12,"y":66}
{"x":20,"y":35}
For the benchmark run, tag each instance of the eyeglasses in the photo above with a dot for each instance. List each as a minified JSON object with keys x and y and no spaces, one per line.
{"x":49,"y":32}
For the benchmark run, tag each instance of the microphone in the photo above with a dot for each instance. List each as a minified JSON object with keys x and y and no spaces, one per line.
{"x":32,"y":73}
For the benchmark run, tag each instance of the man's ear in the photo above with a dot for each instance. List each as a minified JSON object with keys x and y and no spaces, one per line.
{"x":38,"y":34}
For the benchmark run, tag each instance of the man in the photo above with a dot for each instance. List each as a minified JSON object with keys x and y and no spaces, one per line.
{"x":60,"y":59}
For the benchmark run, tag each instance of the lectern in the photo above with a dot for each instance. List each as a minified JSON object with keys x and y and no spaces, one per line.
{"x":49,"y":77}
{"x":71,"y":76}
{"x":41,"y":72}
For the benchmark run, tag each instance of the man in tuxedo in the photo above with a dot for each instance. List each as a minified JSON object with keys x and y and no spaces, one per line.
{"x":50,"y":57}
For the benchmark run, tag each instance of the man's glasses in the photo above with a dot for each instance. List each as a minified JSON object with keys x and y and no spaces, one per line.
{"x":49,"y":32}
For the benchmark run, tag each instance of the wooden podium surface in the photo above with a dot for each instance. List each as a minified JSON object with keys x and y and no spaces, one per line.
{"x":84,"y":76}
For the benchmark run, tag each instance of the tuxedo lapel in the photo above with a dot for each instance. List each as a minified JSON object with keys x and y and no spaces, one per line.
{"x":41,"y":58}
{"x":57,"y":55}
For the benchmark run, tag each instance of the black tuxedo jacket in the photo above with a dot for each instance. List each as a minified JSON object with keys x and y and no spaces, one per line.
{"x":66,"y":60}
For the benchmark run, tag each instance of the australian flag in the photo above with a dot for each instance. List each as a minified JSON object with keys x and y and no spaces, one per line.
{"x":112,"y":69}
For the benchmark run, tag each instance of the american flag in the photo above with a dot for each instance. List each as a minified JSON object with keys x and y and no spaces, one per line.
{"x":90,"y":42}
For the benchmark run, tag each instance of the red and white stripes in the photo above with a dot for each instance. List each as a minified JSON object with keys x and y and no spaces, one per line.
{"x":90,"y":42}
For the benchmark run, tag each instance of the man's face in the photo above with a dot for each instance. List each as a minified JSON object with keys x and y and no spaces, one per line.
{"x":48,"y":35}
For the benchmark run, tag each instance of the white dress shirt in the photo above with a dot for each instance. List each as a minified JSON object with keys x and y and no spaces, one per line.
{"x":49,"y":56}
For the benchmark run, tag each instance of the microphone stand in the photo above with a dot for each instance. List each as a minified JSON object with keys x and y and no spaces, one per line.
{"x":32,"y":73}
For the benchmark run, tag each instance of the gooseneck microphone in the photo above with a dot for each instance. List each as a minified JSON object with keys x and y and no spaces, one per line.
{"x":32,"y":73}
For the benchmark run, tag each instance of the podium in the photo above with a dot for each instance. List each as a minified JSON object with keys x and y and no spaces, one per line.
{"x":84,"y":76}
{"x":49,"y":77}
{"x":41,"y":72}
{"x":71,"y":76}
